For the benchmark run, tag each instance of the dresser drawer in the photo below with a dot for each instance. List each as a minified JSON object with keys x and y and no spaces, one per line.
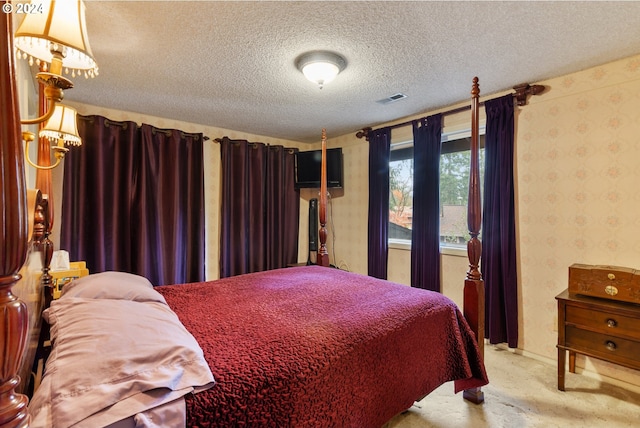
{"x":604,"y":322}
{"x":607,"y":347}
{"x":600,"y":328}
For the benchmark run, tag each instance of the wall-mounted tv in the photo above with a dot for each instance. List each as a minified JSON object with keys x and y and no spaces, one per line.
{"x":308,"y":168}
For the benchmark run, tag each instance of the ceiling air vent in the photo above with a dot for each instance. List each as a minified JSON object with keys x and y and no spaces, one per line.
{"x":391,"y":99}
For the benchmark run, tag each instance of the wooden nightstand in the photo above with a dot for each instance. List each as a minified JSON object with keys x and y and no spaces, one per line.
{"x":600,"y":328}
{"x":60,"y":278}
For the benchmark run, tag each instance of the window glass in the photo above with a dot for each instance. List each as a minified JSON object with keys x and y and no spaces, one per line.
{"x":454,"y":189}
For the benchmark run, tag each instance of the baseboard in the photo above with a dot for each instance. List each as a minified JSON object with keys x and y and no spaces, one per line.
{"x":580,"y":370}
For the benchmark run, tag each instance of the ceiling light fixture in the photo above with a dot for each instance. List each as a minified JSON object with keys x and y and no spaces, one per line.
{"x":320,"y":67}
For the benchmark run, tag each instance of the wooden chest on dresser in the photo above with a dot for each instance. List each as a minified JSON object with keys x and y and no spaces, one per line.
{"x":605,"y":327}
{"x":608,"y":282}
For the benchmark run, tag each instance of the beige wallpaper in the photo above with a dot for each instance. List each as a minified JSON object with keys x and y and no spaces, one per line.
{"x":578,"y":151}
{"x":578,"y":158}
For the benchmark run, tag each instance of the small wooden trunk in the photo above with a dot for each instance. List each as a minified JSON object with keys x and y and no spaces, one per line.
{"x":609,"y":282}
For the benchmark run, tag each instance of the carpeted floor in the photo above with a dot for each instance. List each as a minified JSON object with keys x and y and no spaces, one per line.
{"x":523,"y":393}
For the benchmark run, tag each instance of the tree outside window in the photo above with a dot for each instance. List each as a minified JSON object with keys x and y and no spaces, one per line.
{"x":454,"y":191}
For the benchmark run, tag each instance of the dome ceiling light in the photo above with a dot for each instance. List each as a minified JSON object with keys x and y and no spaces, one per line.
{"x":320,"y":67}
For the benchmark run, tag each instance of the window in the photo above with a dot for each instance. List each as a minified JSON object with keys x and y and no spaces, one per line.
{"x":454,"y":189}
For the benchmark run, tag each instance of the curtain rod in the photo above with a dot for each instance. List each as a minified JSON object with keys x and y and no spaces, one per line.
{"x":521,"y":95}
{"x":123,"y":125}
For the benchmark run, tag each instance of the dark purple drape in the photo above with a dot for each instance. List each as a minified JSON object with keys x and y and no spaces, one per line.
{"x":133,"y":201}
{"x":425,"y":233}
{"x":260,"y":208}
{"x":283,"y":207}
{"x":378,"y":231}
{"x":97,"y":195}
{"x":168,"y":212}
{"x":499,"y":236}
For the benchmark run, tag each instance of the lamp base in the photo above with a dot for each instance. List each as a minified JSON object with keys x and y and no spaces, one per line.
{"x":54,"y":80}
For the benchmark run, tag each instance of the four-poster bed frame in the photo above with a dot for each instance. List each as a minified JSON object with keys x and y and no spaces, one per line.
{"x":14,"y":315}
{"x":473,"y":285}
{"x":473,"y":293}
{"x":14,"y":328}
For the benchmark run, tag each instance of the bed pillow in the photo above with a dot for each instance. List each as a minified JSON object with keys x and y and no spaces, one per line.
{"x":112,"y":359}
{"x":113,"y":285}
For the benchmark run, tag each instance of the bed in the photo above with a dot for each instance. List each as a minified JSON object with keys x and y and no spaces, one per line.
{"x":323,"y":347}
{"x":301,"y":346}
{"x":304,"y":346}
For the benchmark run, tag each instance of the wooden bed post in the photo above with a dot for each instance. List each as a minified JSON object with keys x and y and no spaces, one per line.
{"x":44,"y":181}
{"x":474,"y":285}
{"x":323,"y":254}
{"x":14,"y":321}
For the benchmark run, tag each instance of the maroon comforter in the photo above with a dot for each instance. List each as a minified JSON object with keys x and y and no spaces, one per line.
{"x":319,"y":347}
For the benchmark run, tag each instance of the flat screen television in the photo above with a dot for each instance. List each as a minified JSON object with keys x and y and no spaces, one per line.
{"x":308,"y":168}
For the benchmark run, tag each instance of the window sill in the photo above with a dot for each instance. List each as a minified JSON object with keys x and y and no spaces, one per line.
{"x":446,"y":250}
{"x":399,"y":244}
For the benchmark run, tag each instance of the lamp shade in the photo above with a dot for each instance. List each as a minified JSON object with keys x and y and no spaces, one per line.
{"x":57,"y":25}
{"x":320,"y":67}
{"x":62,"y":125}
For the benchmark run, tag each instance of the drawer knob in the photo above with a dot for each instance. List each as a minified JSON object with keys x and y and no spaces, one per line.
{"x":611,"y":290}
{"x":611,"y":346}
{"x":611,"y":276}
{"x":611,"y":323}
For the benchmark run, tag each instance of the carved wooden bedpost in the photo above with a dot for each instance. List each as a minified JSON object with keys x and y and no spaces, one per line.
{"x":44,"y":180}
{"x":41,"y":240}
{"x":474,"y":285}
{"x":323,"y":254}
{"x":13,"y":238}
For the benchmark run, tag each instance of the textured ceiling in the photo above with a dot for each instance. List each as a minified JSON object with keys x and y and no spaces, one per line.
{"x":230,"y":64}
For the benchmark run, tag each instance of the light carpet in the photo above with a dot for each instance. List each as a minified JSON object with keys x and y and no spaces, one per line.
{"x":523,"y":393}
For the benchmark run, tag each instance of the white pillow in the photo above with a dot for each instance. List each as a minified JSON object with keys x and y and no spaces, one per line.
{"x":115,"y":351}
{"x":113,"y":285}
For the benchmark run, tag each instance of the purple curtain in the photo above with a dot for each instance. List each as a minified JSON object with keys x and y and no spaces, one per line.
{"x":97,"y":195}
{"x":168,"y":212}
{"x":499,"y":236}
{"x":378,"y":231}
{"x":133,"y":201}
{"x":425,"y":234}
{"x":282,"y":216}
{"x":260,"y":208}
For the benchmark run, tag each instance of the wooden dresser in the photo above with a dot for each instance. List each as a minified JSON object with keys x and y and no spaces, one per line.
{"x":600,"y":327}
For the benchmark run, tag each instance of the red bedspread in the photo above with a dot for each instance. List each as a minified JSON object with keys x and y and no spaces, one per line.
{"x":319,"y":347}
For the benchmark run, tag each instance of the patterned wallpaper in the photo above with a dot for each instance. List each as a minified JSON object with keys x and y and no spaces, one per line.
{"x":578,"y":158}
{"x":577,"y":150}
